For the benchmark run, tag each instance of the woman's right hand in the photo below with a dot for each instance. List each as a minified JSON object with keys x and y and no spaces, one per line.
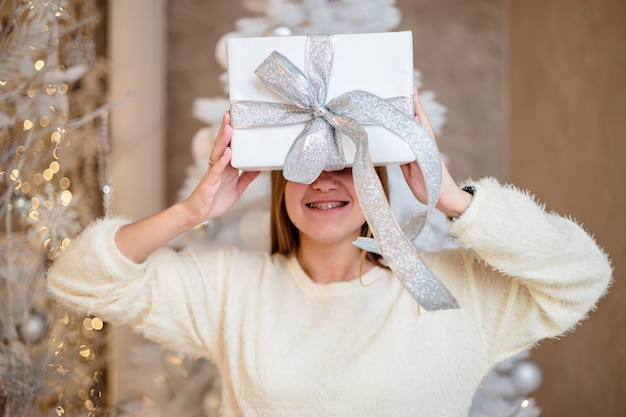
{"x":222,"y":185}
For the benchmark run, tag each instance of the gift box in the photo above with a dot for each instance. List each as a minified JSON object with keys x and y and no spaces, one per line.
{"x":381,"y":64}
{"x":293,"y":98}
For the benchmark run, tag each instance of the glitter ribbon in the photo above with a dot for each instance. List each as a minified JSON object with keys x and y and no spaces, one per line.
{"x":318,"y":147}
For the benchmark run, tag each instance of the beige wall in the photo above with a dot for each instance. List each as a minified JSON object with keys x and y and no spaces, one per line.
{"x":568,"y":144}
{"x":460,"y":48}
{"x":136,"y":60}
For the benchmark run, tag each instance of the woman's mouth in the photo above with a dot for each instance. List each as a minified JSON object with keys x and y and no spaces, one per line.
{"x":327,"y":205}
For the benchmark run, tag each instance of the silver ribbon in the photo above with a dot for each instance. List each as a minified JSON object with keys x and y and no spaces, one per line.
{"x":318,"y":147}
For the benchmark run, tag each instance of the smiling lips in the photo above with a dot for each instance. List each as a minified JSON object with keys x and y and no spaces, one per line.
{"x":326,"y":205}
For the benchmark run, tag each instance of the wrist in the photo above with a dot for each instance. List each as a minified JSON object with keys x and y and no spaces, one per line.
{"x":190,"y":215}
{"x":461,"y":201}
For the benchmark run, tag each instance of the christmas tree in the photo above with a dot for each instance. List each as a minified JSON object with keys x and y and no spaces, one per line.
{"x":51,"y":153}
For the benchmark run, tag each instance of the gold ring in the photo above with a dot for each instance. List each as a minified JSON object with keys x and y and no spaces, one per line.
{"x":212,"y":162}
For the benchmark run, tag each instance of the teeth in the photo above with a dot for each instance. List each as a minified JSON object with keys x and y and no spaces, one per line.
{"x":326,"y":206}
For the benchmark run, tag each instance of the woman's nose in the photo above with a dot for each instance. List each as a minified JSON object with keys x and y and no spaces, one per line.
{"x":325,"y":182}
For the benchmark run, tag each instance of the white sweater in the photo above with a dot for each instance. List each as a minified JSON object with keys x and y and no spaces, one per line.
{"x":286,"y":346}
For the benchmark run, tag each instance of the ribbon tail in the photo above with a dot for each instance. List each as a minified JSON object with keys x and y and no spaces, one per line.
{"x":397,"y":250}
{"x":423,"y":145}
{"x":367,"y":244}
{"x":411,"y":228}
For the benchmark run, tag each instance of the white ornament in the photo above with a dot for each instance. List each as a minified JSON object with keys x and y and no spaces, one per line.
{"x":210,"y":110}
{"x":211,"y":404}
{"x":526,"y":376}
{"x":221,"y":47}
{"x":32,"y":329}
{"x":19,"y":204}
{"x":279,"y":30}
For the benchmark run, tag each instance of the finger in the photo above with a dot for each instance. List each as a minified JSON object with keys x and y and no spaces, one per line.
{"x":420,"y":113}
{"x":223,"y":162}
{"x":411,"y":169}
{"x":224,"y":134}
{"x":406,"y":170}
{"x":221,"y":129}
{"x":222,"y":142}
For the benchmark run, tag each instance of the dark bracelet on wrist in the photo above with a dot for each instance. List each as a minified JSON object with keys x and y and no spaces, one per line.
{"x":470,"y":189}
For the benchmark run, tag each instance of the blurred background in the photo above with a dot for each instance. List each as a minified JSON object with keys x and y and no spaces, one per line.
{"x":530,"y":92}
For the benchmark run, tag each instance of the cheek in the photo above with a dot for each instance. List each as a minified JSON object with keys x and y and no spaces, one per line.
{"x":292,"y":196}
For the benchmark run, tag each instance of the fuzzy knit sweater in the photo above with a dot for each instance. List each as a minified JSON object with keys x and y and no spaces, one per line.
{"x":287,"y":346}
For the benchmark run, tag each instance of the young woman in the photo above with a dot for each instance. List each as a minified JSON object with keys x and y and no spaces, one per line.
{"x":317,"y":329}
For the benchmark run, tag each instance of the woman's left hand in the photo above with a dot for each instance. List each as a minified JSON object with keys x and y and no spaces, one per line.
{"x":453,"y":201}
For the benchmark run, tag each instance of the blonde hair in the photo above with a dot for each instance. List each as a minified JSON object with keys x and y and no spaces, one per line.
{"x":284,"y":237}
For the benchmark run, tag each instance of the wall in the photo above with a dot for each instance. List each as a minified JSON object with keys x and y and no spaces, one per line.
{"x":460,"y":48}
{"x":136,"y":84}
{"x":568,"y":130}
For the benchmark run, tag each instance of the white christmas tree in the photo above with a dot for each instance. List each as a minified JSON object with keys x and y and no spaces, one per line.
{"x":50,"y":84}
{"x":504,"y":391}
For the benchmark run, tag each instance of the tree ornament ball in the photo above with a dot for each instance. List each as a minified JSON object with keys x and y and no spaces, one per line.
{"x":211,"y":403}
{"x":19,"y":204}
{"x":281,"y":30}
{"x":221,"y":47}
{"x":32,"y":329}
{"x":526,"y":376}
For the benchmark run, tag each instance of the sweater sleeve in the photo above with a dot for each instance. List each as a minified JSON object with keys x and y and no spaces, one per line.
{"x":530,"y":274}
{"x":173,"y":298}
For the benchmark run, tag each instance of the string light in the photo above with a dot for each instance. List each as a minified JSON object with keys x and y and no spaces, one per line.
{"x":55,"y":167}
{"x":39,"y":202}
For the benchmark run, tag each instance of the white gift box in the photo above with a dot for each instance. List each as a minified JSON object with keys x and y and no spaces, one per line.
{"x":380,"y":63}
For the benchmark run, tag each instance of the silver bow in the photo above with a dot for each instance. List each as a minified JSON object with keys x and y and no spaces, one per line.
{"x":318,"y":148}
